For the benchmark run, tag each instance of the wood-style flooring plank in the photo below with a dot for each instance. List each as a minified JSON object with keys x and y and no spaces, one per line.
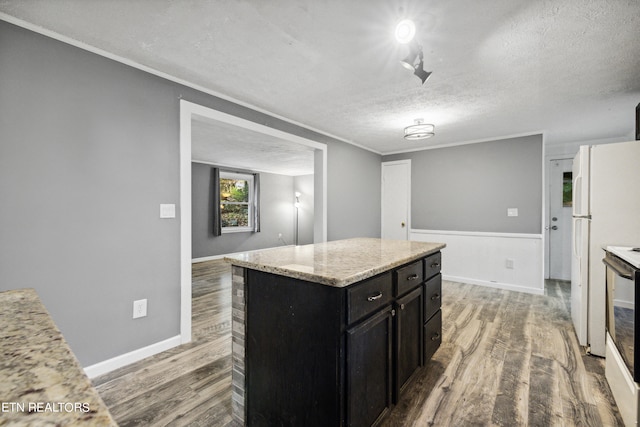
{"x":506,"y":359}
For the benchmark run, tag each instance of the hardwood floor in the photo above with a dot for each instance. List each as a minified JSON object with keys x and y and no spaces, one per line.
{"x":507,"y":359}
{"x":189,"y":385}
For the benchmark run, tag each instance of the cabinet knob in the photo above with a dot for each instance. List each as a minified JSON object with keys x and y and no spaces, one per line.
{"x":375,"y":297}
{"x":401,"y":306}
{"x":435,"y":265}
{"x":412,"y":277}
{"x":436,"y":337}
{"x":435,"y":297}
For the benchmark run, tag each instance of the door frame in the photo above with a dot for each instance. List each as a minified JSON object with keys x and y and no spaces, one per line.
{"x":408,"y":180}
{"x":547,"y":227}
{"x":187,"y":111}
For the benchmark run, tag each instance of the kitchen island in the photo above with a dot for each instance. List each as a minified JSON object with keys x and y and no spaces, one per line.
{"x":330,"y":334}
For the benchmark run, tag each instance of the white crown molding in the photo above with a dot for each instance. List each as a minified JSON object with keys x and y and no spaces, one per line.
{"x":84,"y":46}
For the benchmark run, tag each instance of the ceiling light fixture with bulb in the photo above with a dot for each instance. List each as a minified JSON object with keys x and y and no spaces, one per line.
{"x":414,"y":61}
{"x":419,"y":130}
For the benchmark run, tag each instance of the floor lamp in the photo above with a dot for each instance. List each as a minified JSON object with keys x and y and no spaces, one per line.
{"x":297,"y":206}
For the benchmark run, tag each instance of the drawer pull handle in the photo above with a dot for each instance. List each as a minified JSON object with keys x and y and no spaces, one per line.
{"x":375,"y":297}
{"x":435,"y":297}
{"x":435,"y":265}
{"x":436,"y":337}
{"x":412,"y":277}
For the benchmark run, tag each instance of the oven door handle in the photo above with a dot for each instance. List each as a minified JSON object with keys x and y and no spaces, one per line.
{"x":621,"y":268}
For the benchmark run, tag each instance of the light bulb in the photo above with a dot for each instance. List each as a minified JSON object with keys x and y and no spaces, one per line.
{"x":405,"y":31}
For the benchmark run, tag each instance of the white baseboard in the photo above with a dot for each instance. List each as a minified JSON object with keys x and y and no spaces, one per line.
{"x":505,"y":286}
{"x":109,"y":365}
{"x":211,"y":258}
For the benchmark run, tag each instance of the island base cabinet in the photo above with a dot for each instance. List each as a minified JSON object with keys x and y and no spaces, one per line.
{"x":319,"y":355}
{"x":369,"y":370}
{"x":293,"y":346}
{"x":432,"y":335}
{"x":409,"y":325}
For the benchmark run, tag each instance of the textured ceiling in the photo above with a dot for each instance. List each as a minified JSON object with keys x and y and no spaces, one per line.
{"x":568,"y":68}
{"x":228,"y":145}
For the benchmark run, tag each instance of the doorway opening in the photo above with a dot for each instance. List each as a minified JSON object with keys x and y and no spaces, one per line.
{"x":559,"y":226}
{"x":190,"y":111}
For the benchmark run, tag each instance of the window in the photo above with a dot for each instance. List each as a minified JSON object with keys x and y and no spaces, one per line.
{"x":567,"y":189}
{"x":236,"y":202}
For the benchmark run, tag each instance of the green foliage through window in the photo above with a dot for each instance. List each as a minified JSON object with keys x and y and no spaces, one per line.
{"x":567,"y":189}
{"x":235,"y":196}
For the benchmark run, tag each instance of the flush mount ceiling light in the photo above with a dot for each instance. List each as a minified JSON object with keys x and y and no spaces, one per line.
{"x":405,"y":31}
{"x":419,"y":130}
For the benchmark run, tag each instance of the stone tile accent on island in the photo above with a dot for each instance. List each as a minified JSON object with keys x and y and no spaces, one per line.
{"x":237,"y":343}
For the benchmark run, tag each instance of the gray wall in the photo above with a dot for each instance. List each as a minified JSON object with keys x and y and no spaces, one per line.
{"x":354,"y":189}
{"x":470,"y":187}
{"x":276,"y":215}
{"x":89,"y":149}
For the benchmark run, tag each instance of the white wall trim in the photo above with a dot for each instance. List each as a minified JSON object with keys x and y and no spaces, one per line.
{"x":214,"y":257}
{"x":187,"y":111}
{"x":478,"y":234}
{"x":185,"y":221}
{"x":482,"y":258}
{"x":114,"y":363}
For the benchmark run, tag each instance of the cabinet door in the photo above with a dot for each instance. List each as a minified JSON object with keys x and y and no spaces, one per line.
{"x":369,"y":382}
{"x":409,"y":329}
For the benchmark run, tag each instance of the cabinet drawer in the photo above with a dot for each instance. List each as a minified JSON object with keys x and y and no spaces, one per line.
{"x":432,"y":335}
{"x":432,"y":296}
{"x":366,"y":297}
{"x":432,"y":265}
{"x":408,"y":277}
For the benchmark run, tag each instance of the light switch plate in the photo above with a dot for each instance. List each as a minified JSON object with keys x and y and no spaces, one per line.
{"x":167,"y":210}
{"x":512,"y":211}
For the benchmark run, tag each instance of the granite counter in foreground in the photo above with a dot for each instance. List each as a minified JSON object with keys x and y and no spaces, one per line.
{"x":41,"y":381}
{"x":338,"y":263}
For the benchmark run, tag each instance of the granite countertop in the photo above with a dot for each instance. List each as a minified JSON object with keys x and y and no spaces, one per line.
{"x":338,"y":263}
{"x":41,"y":381}
{"x":626,"y":253}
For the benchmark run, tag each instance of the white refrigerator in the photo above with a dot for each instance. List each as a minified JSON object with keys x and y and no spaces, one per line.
{"x":606,"y":212}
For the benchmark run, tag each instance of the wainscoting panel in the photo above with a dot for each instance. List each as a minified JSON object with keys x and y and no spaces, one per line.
{"x":499,"y":260}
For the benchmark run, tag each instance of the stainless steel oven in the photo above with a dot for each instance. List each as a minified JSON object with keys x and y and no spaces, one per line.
{"x":623,"y":278}
{"x":622,"y":364}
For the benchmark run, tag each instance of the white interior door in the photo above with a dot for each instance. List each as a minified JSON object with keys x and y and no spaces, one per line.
{"x":560,"y":191}
{"x":396,"y":200}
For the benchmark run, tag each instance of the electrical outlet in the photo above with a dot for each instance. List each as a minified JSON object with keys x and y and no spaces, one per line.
{"x":139,"y":308}
{"x":509,"y":263}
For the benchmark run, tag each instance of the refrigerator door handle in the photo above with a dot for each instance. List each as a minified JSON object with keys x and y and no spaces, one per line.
{"x":575,"y":190}
{"x":575,"y":243}
{"x":577,"y":252}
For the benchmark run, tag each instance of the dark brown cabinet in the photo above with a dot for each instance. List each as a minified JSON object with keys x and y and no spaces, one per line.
{"x":369,"y":369}
{"x":432,"y":335}
{"x":318,"y":355}
{"x":408,"y":333}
